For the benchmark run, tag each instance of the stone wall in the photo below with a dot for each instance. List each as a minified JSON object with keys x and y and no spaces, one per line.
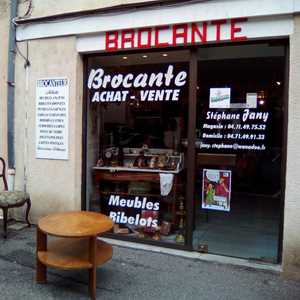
{"x":54,"y":185}
{"x":4,"y":29}
{"x":42,"y":8}
{"x":291,"y":237}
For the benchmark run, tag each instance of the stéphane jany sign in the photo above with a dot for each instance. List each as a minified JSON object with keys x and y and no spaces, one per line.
{"x":231,"y":126}
{"x":165,"y":83}
{"x":52,"y":104}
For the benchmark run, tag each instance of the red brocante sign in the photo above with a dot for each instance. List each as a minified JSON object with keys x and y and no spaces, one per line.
{"x":174,"y":35}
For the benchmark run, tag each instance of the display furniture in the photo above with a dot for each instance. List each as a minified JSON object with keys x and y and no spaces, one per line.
{"x":76,"y":244}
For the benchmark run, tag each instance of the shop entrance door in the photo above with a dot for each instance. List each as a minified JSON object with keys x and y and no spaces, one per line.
{"x":238,"y":190}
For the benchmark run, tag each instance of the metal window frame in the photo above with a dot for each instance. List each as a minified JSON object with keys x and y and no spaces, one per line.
{"x":191,"y":134}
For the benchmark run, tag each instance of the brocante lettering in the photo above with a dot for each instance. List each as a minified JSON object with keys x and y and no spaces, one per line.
{"x":98,"y":79}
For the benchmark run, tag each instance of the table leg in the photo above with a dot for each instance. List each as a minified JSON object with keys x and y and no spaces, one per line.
{"x":5,"y":221}
{"x":41,"y":269}
{"x":92,"y":271}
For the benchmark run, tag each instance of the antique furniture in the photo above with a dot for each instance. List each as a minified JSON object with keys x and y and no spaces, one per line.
{"x":150,"y":173}
{"x":124,"y":174}
{"x":12,"y":199}
{"x":76,"y":245}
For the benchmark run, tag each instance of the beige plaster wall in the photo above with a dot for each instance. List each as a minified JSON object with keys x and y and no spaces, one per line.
{"x":4,"y":29}
{"x":291,"y":240}
{"x":42,"y":8}
{"x":54,"y":185}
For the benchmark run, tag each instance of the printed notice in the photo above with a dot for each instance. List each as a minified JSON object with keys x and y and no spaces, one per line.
{"x":52,"y":97}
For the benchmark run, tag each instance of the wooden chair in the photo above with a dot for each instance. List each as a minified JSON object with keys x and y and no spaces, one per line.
{"x":11,"y":199}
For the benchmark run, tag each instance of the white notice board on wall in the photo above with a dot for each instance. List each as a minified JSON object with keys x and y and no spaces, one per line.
{"x":52,"y":118}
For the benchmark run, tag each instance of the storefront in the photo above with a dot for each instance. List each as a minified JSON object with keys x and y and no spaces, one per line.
{"x":176,"y":125}
{"x":185,"y":148}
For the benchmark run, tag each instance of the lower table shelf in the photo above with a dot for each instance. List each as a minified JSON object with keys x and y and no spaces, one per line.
{"x":73,"y":253}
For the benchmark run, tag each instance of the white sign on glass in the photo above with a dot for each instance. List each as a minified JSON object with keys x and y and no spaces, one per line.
{"x":251,"y":100}
{"x":52,"y":106}
{"x":164,"y":85}
{"x":219,"y":98}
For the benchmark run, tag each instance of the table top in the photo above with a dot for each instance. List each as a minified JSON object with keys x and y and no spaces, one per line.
{"x":75,"y":224}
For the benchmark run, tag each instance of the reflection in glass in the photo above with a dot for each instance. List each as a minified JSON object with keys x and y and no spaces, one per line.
{"x":239,"y":132}
{"x":137,"y":119}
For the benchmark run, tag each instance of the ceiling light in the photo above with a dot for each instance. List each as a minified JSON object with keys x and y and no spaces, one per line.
{"x":124,"y":57}
{"x":165,"y":54}
{"x":144,"y":56}
{"x":278,"y":82}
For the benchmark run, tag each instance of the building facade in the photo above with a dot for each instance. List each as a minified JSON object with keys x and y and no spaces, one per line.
{"x":178,"y":119}
{"x":4,"y":29}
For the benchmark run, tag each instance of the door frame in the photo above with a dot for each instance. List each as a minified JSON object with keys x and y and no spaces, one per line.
{"x":194,"y":68}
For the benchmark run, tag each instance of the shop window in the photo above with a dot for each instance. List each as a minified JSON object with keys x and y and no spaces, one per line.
{"x":137,"y":138}
{"x":137,"y":121}
{"x":238,"y":195}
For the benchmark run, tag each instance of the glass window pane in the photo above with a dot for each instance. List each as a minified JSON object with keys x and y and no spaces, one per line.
{"x":137,"y":120}
{"x":239,"y":150}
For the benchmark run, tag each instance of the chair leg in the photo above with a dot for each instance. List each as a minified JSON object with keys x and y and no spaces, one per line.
{"x":5,"y":222}
{"x":27,"y":211}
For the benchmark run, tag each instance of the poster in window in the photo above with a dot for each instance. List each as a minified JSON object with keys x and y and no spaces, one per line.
{"x":219,"y":98}
{"x":216,"y":189}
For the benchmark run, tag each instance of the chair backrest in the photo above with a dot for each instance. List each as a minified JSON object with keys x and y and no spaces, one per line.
{"x":2,"y":173}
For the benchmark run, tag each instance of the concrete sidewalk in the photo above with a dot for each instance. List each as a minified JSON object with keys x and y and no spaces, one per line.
{"x":135,"y":274}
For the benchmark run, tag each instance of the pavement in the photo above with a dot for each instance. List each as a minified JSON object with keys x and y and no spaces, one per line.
{"x":136,"y":274}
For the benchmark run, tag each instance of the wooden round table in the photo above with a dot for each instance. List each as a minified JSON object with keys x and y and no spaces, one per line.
{"x":76,"y":245}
